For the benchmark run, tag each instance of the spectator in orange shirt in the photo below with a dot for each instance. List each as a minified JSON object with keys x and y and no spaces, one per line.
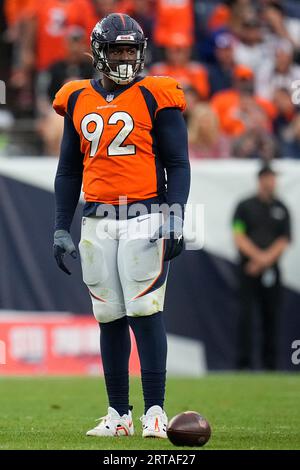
{"x":239,"y":109}
{"x":44,"y":25}
{"x":179,"y":66}
{"x":44,"y":38}
{"x":14,"y":10}
{"x":174,"y":18}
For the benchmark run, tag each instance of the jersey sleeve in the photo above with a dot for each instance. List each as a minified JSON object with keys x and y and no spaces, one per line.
{"x":61,"y":100}
{"x":168,"y":93}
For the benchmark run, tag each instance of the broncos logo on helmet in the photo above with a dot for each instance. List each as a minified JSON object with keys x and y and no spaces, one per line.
{"x":113,"y":30}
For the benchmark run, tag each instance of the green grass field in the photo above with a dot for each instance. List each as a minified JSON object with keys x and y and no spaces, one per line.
{"x":256,"y":411}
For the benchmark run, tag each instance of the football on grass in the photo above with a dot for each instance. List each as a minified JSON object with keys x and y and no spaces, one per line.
{"x":189,"y":429}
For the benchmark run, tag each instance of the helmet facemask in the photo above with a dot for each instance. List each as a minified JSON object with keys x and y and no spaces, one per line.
{"x":120,"y":71}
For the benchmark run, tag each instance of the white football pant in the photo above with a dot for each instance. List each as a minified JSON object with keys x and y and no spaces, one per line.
{"x":124,"y":272}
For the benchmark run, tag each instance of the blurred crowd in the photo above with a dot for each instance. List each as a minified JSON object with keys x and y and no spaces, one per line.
{"x":237,"y":60}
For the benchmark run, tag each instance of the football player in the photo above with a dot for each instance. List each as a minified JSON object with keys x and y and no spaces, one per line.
{"x":125,"y":138}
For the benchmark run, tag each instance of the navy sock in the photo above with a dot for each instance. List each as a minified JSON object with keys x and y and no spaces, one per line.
{"x":151,"y":339}
{"x":115,"y":350}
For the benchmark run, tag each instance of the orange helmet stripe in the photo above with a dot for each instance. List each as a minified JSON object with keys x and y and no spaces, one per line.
{"x":122,"y":18}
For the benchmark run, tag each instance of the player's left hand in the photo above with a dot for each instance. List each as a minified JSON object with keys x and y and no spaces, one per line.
{"x":63,"y":244}
{"x":172,"y":232}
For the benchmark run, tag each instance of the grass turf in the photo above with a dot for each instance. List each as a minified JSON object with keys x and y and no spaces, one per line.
{"x":258,"y":411}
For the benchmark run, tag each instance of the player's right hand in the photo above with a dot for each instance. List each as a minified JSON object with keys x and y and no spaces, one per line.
{"x":63,"y":244}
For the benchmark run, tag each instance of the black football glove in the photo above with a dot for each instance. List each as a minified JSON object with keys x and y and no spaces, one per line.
{"x":63,"y":244}
{"x":172,"y":232}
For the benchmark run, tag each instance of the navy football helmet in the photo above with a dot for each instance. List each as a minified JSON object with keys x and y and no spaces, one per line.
{"x":118,"y":29}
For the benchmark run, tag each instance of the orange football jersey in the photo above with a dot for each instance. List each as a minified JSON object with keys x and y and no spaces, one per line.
{"x":174,"y":22}
{"x":14,"y":10}
{"x":53,"y":17}
{"x":115,"y":129}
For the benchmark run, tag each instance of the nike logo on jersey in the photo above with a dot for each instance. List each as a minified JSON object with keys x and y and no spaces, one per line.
{"x":141,"y":220}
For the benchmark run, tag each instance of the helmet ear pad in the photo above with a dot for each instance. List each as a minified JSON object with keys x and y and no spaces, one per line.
{"x":98,"y":65}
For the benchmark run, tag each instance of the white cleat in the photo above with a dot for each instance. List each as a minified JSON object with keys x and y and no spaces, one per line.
{"x":113,"y":425}
{"x":155,"y":423}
